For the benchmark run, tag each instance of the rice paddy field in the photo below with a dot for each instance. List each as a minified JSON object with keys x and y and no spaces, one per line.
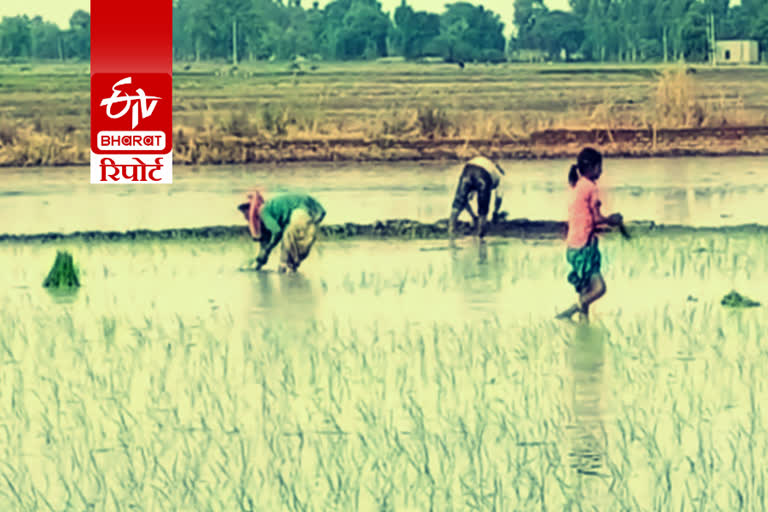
{"x":220,"y":111}
{"x":341,"y":99}
{"x":386,"y":375}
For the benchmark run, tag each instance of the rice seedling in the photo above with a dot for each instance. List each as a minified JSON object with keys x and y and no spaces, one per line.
{"x":63,"y":274}
{"x":378,"y":396}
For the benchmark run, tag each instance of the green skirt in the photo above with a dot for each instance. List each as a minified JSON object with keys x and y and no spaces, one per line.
{"x":585,"y":262}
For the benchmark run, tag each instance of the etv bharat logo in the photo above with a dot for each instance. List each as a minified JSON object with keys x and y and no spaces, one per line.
{"x":141,"y":105}
{"x":128,"y":148}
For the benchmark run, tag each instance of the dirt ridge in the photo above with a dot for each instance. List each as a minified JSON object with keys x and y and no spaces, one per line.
{"x":398,"y":229}
{"x":546,"y":144}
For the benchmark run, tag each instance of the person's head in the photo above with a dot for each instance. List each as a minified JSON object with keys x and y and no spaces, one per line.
{"x":588,"y":164}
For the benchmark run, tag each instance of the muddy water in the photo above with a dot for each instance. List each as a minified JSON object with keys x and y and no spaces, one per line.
{"x":692,"y":191}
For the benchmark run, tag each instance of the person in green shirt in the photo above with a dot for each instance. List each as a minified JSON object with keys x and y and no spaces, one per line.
{"x":290,"y":218}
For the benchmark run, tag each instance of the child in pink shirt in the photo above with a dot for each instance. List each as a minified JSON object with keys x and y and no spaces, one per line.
{"x":584,"y":217}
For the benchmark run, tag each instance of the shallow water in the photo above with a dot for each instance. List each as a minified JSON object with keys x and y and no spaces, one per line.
{"x":386,"y":340}
{"x":692,"y":191}
{"x":359,"y":281}
{"x":172,"y":336}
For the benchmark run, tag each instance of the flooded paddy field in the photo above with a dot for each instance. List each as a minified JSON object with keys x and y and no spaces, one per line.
{"x":723,"y":191}
{"x":385,"y":376}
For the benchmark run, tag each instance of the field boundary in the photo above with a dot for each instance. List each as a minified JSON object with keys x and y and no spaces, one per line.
{"x":396,"y":229}
{"x":546,"y":144}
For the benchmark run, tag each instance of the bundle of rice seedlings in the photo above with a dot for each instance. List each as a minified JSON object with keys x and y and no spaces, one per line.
{"x":736,"y":300}
{"x":64,"y":274}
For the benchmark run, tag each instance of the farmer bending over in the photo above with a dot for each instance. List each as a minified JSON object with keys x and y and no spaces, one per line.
{"x":480,"y":176}
{"x":292,"y":218}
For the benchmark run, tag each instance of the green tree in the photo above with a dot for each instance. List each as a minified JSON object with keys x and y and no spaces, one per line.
{"x":526,"y":14}
{"x":414,"y":32}
{"x":693,"y":31}
{"x":558,"y":31}
{"x":669,"y":17}
{"x":596,"y":21}
{"x":367,"y":24}
{"x":353,"y":29}
{"x":46,"y":39}
{"x":759,"y":29}
{"x":737,"y":24}
{"x":78,"y":37}
{"x":219,"y":28}
{"x":15,"y":37}
{"x":469,"y":32}
{"x":579,"y":7}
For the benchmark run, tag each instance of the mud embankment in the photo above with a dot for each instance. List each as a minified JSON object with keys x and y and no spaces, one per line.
{"x":726,"y":141}
{"x":399,"y":229}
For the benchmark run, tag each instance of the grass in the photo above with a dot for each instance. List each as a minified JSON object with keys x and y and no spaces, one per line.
{"x":169,"y":385}
{"x":44,"y":117}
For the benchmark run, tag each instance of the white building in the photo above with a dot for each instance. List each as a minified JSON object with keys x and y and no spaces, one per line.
{"x":737,"y":52}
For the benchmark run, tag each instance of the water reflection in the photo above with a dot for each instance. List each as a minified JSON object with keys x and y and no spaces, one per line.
{"x":469,"y":262}
{"x":679,"y":205}
{"x":64,"y":296}
{"x":482,"y":252}
{"x":286,"y":297}
{"x":586,"y":357}
{"x":696,"y":191}
{"x":298,"y":288}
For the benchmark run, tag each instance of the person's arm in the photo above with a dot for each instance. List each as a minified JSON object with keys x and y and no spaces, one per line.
{"x":471,"y":213}
{"x":268,"y":242}
{"x":471,"y":197}
{"x":600,"y":219}
{"x":251,"y":223}
{"x":497,"y":203}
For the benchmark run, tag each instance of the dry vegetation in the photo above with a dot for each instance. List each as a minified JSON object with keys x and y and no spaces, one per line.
{"x":255,"y":112}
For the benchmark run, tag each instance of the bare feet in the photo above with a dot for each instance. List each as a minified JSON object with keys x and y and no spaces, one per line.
{"x":568,"y":313}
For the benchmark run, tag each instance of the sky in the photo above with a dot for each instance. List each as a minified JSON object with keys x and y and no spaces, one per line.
{"x":59,"y":11}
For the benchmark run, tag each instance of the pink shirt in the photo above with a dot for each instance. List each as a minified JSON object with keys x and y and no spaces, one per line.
{"x":582,"y":211}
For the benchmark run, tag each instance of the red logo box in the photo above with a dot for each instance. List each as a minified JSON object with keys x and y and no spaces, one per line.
{"x":131,"y":113}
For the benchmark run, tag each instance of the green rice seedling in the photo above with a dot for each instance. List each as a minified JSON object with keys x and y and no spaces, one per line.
{"x":336,"y":410}
{"x":64,"y":274}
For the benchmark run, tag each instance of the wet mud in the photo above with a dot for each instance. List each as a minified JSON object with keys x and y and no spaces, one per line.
{"x":398,"y":229}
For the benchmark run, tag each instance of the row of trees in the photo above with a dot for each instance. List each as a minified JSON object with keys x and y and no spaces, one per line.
{"x":598,"y":30}
{"x":262,"y":29}
{"x":21,"y":36}
{"x":342,"y":30}
{"x":638,"y":30}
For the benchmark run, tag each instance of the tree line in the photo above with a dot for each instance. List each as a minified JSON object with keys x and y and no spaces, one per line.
{"x":638,"y":30}
{"x":342,"y":30}
{"x":25,"y":37}
{"x":593,"y":30}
